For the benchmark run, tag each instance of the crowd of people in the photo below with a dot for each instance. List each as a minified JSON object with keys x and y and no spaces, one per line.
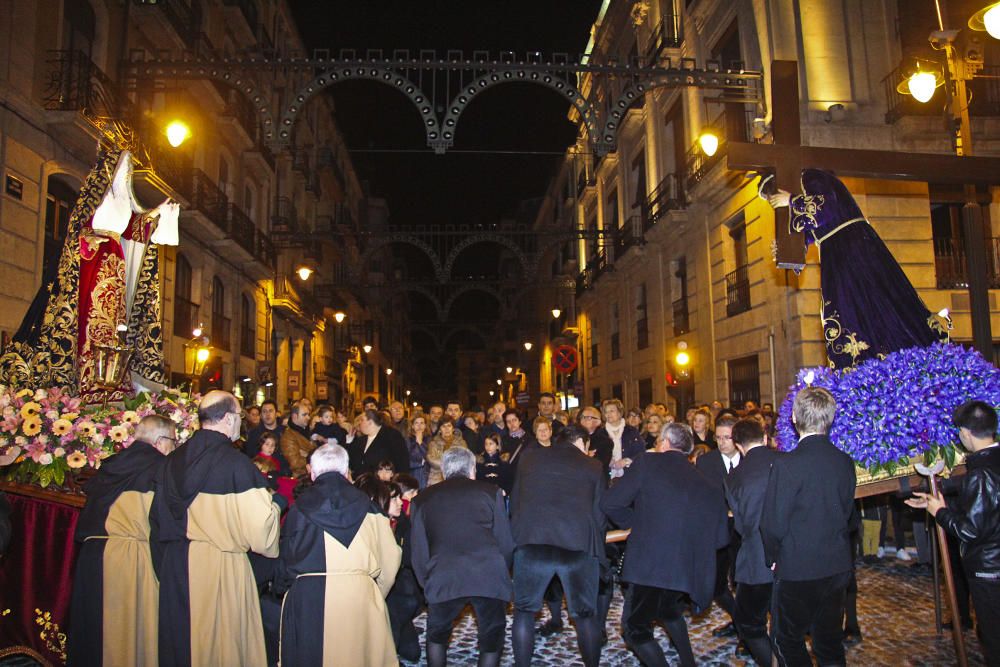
{"x":313,"y":538}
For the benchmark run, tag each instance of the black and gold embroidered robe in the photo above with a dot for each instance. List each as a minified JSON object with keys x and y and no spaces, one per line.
{"x":115,"y":593}
{"x":212,"y":506}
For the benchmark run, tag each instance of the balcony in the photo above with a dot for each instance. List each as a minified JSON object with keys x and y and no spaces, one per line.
{"x":668,"y":196}
{"x":737,"y":291}
{"x":950,"y":266}
{"x":75,"y":83}
{"x":265,"y":251}
{"x":241,"y":230}
{"x":221,"y":331}
{"x":642,"y":334}
{"x":180,"y":16}
{"x":628,"y":235}
{"x":698,"y":165}
{"x":666,"y":35}
{"x":295,"y":302}
{"x":597,"y":265}
{"x":240,"y":115}
{"x":209,"y":202}
{"x":682,"y":322}
{"x":286,"y":220}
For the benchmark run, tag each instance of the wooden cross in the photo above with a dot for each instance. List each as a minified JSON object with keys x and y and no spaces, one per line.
{"x":786,"y":158}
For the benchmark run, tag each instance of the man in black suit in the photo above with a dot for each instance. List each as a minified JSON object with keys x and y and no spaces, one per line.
{"x":678,"y":522}
{"x":599,"y":441}
{"x":462,"y":548}
{"x":717,"y":465}
{"x":745,"y":489}
{"x":377,"y":443}
{"x":558,"y":527}
{"x":806,"y":526}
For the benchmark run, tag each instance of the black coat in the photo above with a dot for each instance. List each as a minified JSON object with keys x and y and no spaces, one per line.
{"x":678,"y":522}
{"x":556,"y":500}
{"x":461,"y":541}
{"x":745,"y":489}
{"x":808,"y":513}
{"x":712,"y":466}
{"x":388,"y":444}
{"x":975,"y":518}
{"x":603,"y":448}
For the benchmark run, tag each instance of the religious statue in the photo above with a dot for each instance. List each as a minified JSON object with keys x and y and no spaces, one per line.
{"x":103,"y":291}
{"x":869,"y":306}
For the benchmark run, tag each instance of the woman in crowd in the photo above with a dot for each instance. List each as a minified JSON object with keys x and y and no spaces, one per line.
{"x":446,"y":438}
{"x":651,"y":429}
{"x":516,"y":437}
{"x":543,"y":431}
{"x":417,"y":444}
{"x":634,"y":418}
{"x":701,"y":425}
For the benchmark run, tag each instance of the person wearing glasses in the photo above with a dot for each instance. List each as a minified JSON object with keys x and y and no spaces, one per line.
{"x":113,"y":530}
{"x":210,"y":507}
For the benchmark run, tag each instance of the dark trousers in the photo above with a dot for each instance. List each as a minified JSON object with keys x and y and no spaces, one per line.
{"x":816,"y":608}
{"x":403,"y":608}
{"x":723,"y":595}
{"x":648,"y":605}
{"x":491,"y":617}
{"x":986,"y":601}
{"x":750,"y":614}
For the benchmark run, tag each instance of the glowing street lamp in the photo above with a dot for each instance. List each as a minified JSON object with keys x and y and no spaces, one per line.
{"x":177,"y":133}
{"x":304,"y":272}
{"x":510,"y":369}
{"x":709,"y":142}
{"x":339,"y":316}
{"x":367,"y":348}
{"x":388,"y":371}
{"x":988,"y":19}
{"x":556,"y":312}
{"x":528,"y":345}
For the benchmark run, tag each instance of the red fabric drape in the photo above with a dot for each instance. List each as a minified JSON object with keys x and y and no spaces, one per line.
{"x":37,"y":573}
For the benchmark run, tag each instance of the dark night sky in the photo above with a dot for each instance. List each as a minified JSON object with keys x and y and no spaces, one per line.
{"x":455,"y":188}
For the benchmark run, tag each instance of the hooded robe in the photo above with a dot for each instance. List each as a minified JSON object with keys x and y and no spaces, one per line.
{"x":114,"y":618}
{"x":211,"y":507}
{"x":338,"y":562}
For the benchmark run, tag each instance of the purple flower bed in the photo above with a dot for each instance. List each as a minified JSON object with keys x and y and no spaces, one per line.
{"x":892,"y":410}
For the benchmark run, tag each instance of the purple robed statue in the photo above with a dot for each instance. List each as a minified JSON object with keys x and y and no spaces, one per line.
{"x":869,"y":306}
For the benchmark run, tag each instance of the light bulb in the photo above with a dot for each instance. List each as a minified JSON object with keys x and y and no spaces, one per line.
{"x":304,"y":272}
{"x":202,"y":355}
{"x":991,"y":19}
{"x":367,"y":348}
{"x":510,"y":369}
{"x":709,"y":143}
{"x":177,"y":133}
{"x":339,"y":316}
{"x":528,"y":346}
{"x":683,"y":358}
{"x":388,"y":371}
{"x":921,"y":85}
{"x":556,"y":313}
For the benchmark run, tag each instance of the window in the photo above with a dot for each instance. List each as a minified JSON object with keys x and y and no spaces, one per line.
{"x":616,"y":349}
{"x":638,"y":175}
{"x":248,"y":201}
{"x":678,"y":287}
{"x":744,"y":381}
{"x":595,"y":396}
{"x":950,"y":263}
{"x":185,"y":310}
{"x":369,"y":378}
{"x":642,"y":322}
{"x":595,"y":358}
{"x":248,"y":326}
{"x":79,"y":26}
{"x":617,"y":391}
{"x":221,"y":324}
{"x":645,"y":392}
{"x":611,"y":221}
{"x":58,"y":205}
{"x":738,"y":280}
{"x":223,"y":175}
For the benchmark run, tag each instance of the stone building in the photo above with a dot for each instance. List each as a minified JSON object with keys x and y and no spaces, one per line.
{"x":251,"y":218}
{"x":678,"y":252}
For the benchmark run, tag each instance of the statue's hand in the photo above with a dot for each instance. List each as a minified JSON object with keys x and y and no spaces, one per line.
{"x":779,"y":199}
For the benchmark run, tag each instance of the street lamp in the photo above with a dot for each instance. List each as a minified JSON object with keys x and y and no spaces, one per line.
{"x":988,"y":19}
{"x":177,"y":133}
{"x":510,"y":369}
{"x":304,"y":272}
{"x":528,"y":345}
{"x":709,"y":141}
{"x":556,"y":312}
{"x":499,"y":382}
{"x":339,"y":316}
{"x":408,"y":392}
{"x":388,"y":371}
{"x":367,"y":348}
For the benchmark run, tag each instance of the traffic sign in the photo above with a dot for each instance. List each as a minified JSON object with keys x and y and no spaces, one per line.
{"x":523,"y":398}
{"x":565,"y":359}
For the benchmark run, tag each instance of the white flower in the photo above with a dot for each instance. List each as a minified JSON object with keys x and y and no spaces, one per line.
{"x":52,"y":415}
{"x":98,"y":439}
{"x":45,"y":459}
{"x":9,"y":411}
{"x":41,"y":395}
{"x":42,"y":438}
{"x":59,"y":452}
{"x":21,"y":441}
{"x":177,"y":416}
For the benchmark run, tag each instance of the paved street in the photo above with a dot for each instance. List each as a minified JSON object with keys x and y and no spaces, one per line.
{"x":895,"y":606}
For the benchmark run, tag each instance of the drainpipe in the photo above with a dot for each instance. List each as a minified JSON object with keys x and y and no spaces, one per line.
{"x":770,"y":351}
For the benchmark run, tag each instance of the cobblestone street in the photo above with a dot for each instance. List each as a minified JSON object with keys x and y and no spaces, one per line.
{"x":895,"y":608}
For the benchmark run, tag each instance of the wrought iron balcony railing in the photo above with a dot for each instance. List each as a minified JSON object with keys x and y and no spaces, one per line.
{"x":76,"y":84}
{"x":950,"y":264}
{"x":207,"y":198}
{"x":668,"y":196}
{"x":286,"y":218}
{"x":737,"y":291}
{"x":239,"y":108}
{"x":241,"y":229}
{"x":666,"y":35}
{"x":265,"y":251}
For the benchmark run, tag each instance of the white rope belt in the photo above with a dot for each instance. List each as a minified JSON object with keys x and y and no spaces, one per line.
{"x":836,"y":229}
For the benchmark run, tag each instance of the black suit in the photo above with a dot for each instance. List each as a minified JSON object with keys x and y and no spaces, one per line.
{"x":559,"y":530}
{"x":716,"y":469}
{"x":388,"y":444}
{"x":745,"y":489}
{"x":678,"y":522}
{"x":806,"y":526}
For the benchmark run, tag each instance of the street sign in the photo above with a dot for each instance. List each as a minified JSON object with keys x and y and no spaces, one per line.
{"x":523,"y":398}
{"x":565,"y":358}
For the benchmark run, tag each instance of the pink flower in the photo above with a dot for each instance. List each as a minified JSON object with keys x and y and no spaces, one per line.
{"x":10,"y":424}
{"x":35,"y":450}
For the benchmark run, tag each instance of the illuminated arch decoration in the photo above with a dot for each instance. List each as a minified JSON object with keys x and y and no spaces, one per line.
{"x":410,"y":239}
{"x":485,"y":237}
{"x":373,"y":71}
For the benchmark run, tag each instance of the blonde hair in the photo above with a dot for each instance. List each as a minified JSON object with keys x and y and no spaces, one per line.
{"x":813,"y":410}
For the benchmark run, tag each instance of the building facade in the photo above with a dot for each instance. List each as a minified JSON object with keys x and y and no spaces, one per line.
{"x":677,"y":251}
{"x":251,"y":219}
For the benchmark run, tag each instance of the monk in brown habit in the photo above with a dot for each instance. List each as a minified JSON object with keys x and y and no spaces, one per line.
{"x":115,"y":593}
{"x":211,"y":507}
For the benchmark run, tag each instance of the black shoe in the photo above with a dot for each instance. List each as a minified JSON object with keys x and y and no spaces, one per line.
{"x":727,"y":630}
{"x":852,"y":638}
{"x":550,"y":627}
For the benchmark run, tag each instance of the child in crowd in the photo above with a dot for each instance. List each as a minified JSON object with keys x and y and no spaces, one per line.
{"x":490,"y":465}
{"x":327,"y":430}
{"x":385,"y":471}
{"x":265,"y":460}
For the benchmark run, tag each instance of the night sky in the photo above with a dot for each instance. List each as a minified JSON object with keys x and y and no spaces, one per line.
{"x":514,"y":133}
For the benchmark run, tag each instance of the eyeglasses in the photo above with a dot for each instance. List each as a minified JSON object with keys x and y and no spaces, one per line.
{"x":589,"y":417}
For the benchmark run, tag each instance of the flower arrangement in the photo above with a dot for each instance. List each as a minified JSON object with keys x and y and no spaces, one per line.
{"x":48,"y":434}
{"x":892,"y":410}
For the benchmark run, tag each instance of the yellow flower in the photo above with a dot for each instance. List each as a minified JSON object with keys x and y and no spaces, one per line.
{"x":119,"y":433}
{"x":70,"y":416}
{"x":61,"y":426}
{"x":76,"y":460}
{"x":24,"y":393}
{"x":129,"y":416}
{"x":31,"y":425}
{"x":30,"y":409}
{"x":87,"y":429}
